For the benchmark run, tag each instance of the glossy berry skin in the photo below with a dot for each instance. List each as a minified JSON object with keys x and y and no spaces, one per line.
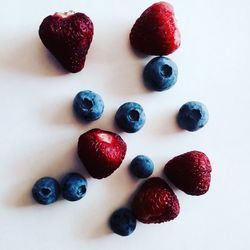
{"x":155,"y":32}
{"x":46,"y":190}
{"x":68,"y":37}
{"x":101,"y":152}
{"x":130,"y":117}
{"x":192,"y":116}
{"x":160,"y":73}
{"x":190,"y":172}
{"x":73,"y":186}
{"x":88,"y":106}
{"x":122,"y":222}
{"x":141,"y":166}
{"x":155,"y":202}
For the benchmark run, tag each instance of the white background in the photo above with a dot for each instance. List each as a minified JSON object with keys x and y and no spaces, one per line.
{"x":39,"y":132}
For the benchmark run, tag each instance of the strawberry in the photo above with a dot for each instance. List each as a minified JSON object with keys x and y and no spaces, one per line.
{"x":155,"y":202}
{"x":101,"y":152}
{"x":190,"y":172}
{"x":68,"y":37}
{"x":155,"y":31}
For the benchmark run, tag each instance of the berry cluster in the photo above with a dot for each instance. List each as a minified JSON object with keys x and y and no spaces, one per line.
{"x":68,"y":37}
{"x":46,"y":190}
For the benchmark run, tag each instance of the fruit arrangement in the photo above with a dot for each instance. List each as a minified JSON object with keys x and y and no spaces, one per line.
{"x":68,"y":37}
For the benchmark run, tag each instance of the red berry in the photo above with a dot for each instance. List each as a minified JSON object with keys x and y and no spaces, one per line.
{"x":155,"y":202}
{"x":155,"y":31}
{"x":190,"y":172}
{"x":68,"y":37}
{"x":101,"y":152}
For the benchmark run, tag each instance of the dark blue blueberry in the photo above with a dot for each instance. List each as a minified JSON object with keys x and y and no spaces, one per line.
{"x":122,"y":222}
{"x":160,"y":73}
{"x":141,"y":166}
{"x":46,"y":190}
{"x":73,"y":186}
{"x":130,"y":117}
{"x":192,"y":116}
{"x":88,"y":106}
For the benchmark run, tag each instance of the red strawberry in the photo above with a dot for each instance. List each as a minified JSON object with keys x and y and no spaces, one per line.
{"x":190,"y":172}
{"x":101,"y":152}
{"x":155,"y":202}
{"x":68,"y":37}
{"x":155,"y":31}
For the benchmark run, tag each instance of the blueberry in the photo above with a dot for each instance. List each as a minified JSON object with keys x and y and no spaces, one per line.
{"x":88,"y":106}
{"x":130,"y":117}
{"x":141,"y":166}
{"x":73,"y":186}
{"x":122,"y":222}
{"x":192,"y":116}
{"x":160,"y":73}
{"x":46,"y":190}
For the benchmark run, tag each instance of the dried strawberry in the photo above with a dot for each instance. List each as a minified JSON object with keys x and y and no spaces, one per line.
{"x":190,"y":172}
{"x":155,"y":31}
{"x":101,"y":152}
{"x":68,"y":37}
{"x":155,"y":202}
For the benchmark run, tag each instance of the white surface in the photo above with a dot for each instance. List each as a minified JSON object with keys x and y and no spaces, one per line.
{"x":39,"y":133}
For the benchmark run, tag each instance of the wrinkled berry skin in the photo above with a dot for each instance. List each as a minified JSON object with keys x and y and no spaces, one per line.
{"x":155,"y":202}
{"x":141,"y":166}
{"x":68,"y":37}
{"x":46,"y":190}
{"x":73,"y":186}
{"x":101,"y":152}
{"x":192,"y":116}
{"x":130,"y":117}
{"x":160,"y":74}
{"x":190,"y":172}
{"x":122,"y":222}
{"x":88,"y":106}
{"x":155,"y":32}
